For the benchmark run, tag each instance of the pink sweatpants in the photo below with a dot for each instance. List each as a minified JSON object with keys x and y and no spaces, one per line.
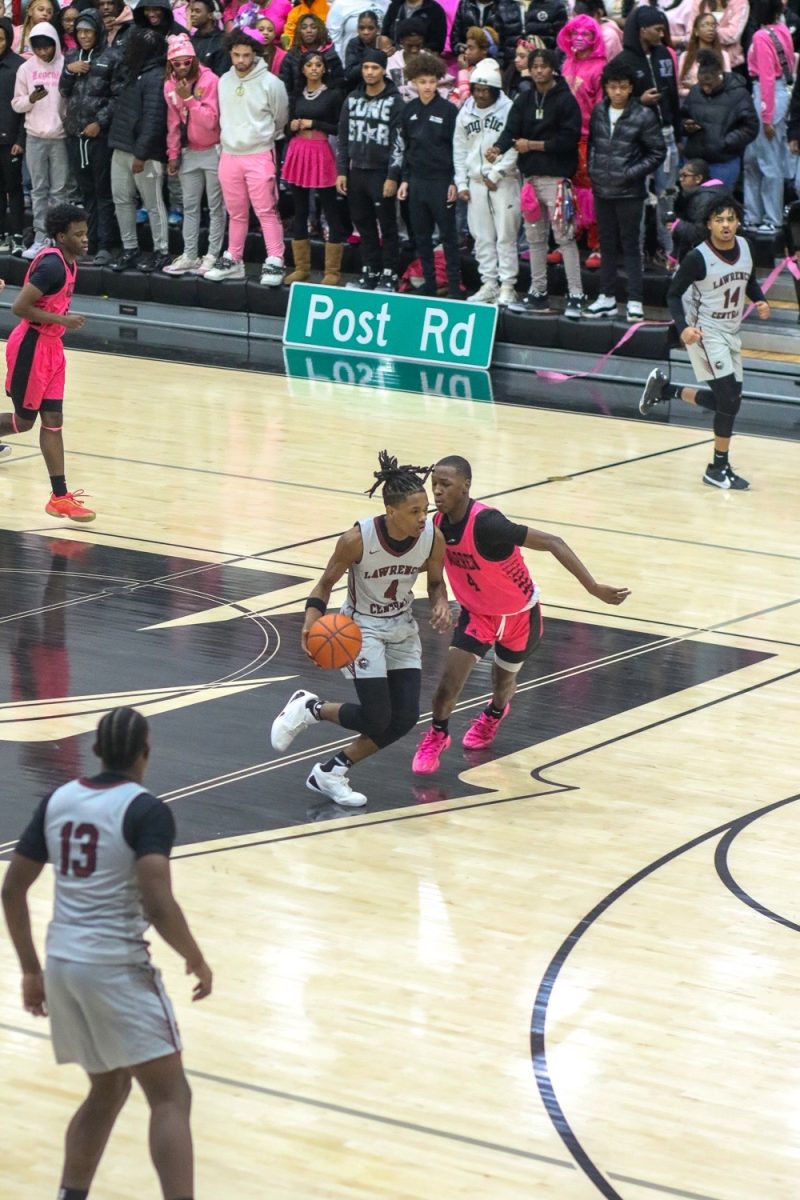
{"x":250,"y":179}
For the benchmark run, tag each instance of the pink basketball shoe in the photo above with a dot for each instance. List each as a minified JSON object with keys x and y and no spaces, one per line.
{"x":483,"y":730}
{"x":429,"y":751}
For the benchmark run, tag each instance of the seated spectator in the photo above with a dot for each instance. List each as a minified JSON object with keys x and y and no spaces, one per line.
{"x":625,"y":146}
{"x":310,"y":34}
{"x":38,"y":11}
{"x":704,"y":38}
{"x":612,"y":38}
{"x":190,"y":92}
{"x":208,"y":37}
{"x":367,"y":39}
{"x":12,"y":138}
{"x":86,"y":87}
{"x":482,"y":43}
{"x":770,"y":61}
{"x":719,"y":119}
{"x":517,"y":76}
{"x":36,"y":95}
{"x":488,"y":180}
{"x":158,"y":15}
{"x":544,"y":19}
{"x":344,"y":20}
{"x":698,"y":191}
{"x":428,"y":11}
{"x":300,"y":9}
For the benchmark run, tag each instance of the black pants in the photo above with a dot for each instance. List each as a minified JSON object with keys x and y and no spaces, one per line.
{"x":330,"y":206}
{"x":12,"y":207}
{"x":428,"y":209}
{"x":374,"y":218}
{"x":90,"y":163}
{"x":619,"y":222}
{"x":388,"y":707}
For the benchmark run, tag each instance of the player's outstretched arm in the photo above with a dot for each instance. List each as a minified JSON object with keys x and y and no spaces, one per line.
{"x":349,"y":549}
{"x":441,"y":616}
{"x":20,"y":877}
{"x":537,"y":540}
{"x":166,"y":916}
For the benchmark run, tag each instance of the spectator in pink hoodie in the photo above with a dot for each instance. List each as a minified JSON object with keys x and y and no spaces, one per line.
{"x":582,"y":43}
{"x":36,"y":94}
{"x":770,"y":64}
{"x":612,"y":37}
{"x":190,"y":91}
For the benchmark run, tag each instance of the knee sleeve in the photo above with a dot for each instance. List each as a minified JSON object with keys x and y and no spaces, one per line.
{"x":404,"y":688}
{"x":727,"y":393}
{"x":371,"y":716}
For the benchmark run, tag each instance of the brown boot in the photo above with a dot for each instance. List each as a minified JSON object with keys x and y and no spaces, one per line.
{"x":302,"y":262}
{"x":333,"y":264}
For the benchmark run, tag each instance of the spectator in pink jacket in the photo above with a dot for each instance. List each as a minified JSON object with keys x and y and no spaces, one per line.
{"x":581,"y":43}
{"x":770,"y":63}
{"x":193,"y":138}
{"x":596,"y":9}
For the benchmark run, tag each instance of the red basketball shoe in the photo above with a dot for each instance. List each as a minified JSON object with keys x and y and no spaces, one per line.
{"x":71,"y":506}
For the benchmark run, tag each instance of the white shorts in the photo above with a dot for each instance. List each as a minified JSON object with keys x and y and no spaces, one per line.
{"x":108,"y":1015}
{"x":388,"y":644}
{"x":718,"y":354}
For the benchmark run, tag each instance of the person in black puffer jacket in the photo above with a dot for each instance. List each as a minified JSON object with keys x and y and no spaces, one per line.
{"x":468,"y":15}
{"x":86,"y":87}
{"x":699,"y":191}
{"x":625,"y":146}
{"x":719,"y":118}
{"x":545,"y":19}
{"x":431,"y":13}
{"x":138,"y":137}
{"x":12,"y":145}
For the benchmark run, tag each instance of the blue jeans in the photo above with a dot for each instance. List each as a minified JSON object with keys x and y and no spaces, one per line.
{"x":764,"y":163}
{"x":727,"y":172}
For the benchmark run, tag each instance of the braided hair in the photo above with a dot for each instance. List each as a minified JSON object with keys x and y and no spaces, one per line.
{"x":398,"y":482}
{"x":121,"y":738}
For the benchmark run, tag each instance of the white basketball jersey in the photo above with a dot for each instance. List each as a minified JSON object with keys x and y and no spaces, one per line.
{"x":718,"y":301}
{"x":381,"y":584}
{"x":97,"y":915}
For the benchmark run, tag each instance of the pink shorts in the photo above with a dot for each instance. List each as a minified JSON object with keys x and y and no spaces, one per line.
{"x":514,"y":638}
{"x":36,"y":369}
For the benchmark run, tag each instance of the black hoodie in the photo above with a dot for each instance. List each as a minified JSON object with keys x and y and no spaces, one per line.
{"x":559,"y":127}
{"x":653,"y":70}
{"x":367,"y":129}
{"x":168,"y":25}
{"x":12,"y":124}
{"x":88,"y":97}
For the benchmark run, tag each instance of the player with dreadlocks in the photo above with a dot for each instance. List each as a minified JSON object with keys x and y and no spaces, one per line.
{"x":381,"y":557}
{"x":109,"y":841}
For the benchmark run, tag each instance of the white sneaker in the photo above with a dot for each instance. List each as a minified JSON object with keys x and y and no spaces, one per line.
{"x":5,"y":450}
{"x":272,"y":273}
{"x":603,"y":306}
{"x":226,"y":268}
{"x":206,"y":264}
{"x":293,"y":718}
{"x":182,"y":265}
{"x":634,"y":312}
{"x":486,"y":294}
{"x":34,"y":249}
{"x":336,"y":786}
{"x":507,"y":295}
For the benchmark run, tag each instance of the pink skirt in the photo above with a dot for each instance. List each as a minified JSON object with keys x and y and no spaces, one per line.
{"x":310,"y":162}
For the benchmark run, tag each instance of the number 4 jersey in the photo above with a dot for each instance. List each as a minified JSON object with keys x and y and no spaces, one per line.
{"x":93,"y":831}
{"x":381,"y":584}
{"x":491,"y":587}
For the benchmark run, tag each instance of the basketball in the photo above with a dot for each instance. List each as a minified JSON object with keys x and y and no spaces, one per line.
{"x":334,"y":641}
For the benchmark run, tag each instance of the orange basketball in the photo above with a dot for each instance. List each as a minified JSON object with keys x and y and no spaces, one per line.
{"x":334,"y":641}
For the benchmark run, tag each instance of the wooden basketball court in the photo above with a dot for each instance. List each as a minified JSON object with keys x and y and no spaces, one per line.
{"x":566,"y":970}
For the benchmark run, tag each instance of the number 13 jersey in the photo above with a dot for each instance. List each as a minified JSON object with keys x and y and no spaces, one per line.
{"x":381,"y":584}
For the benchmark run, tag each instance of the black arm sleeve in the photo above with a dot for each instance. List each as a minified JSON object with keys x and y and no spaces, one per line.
{"x":149,"y":826}
{"x":49,"y":275}
{"x":32,"y":844}
{"x":753,"y":289}
{"x":691,"y":270}
{"x":496,"y":536}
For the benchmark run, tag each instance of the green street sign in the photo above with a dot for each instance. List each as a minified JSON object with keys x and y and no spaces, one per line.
{"x":361,"y":370}
{"x":386,"y":324}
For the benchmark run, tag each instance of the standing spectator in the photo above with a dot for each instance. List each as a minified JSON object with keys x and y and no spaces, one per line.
{"x":612,"y":38}
{"x":719,"y":120}
{"x":469,"y":14}
{"x":544,"y":126}
{"x":273,"y":53}
{"x":158,"y":15}
{"x":423,"y":160}
{"x":625,"y":146}
{"x":411,"y":36}
{"x":544,"y":19}
{"x":428,"y":11}
{"x":310,"y":34}
{"x":208,"y":38}
{"x":368,"y":127}
{"x":37,"y":12}
{"x":310,"y":166}
{"x":769,"y":62}
{"x":704,"y":37}
{"x":517,"y":75}
{"x":138,"y":139}
{"x":67,"y":17}
{"x":731,"y":17}
{"x":367,"y":39}
{"x":482,"y":43}
{"x":253,"y":111}
{"x":304,"y":8}
{"x":581,"y":42}
{"x":86,"y":87}
{"x":118,"y":20}
{"x":344,"y":21}
{"x":488,"y":180}
{"x":12,"y":146}
{"x":36,"y":95}
{"x":190,"y":93}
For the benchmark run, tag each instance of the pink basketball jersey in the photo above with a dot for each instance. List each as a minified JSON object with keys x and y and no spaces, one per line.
{"x":60,"y":301}
{"x":486,"y":588}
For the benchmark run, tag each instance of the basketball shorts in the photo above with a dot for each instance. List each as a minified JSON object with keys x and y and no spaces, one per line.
{"x":36,"y":370}
{"x":108,"y":1015}
{"x":719,"y":354}
{"x":388,"y":644}
{"x":514,"y":638}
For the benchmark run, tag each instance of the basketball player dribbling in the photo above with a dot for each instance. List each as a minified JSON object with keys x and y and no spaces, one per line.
{"x":35,"y":351}
{"x":382,"y":557}
{"x":109,"y":841}
{"x":499,"y":605}
{"x":707,"y":299}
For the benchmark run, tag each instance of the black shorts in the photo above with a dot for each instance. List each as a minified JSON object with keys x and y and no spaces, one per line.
{"x":29,"y":414}
{"x":514,"y":638}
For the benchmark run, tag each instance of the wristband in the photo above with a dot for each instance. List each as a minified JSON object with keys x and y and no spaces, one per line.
{"x":319,"y":605}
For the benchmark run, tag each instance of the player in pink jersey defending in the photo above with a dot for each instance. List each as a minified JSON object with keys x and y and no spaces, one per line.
{"x":499,"y":604}
{"x":35,"y":351}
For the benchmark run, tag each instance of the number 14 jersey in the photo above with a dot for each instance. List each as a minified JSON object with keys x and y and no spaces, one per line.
{"x":716,"y":303}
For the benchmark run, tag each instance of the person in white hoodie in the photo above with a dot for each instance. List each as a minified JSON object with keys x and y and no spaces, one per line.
{"x":490,"y":189}
{"x":253,"y":112}
{"x":36,"y":95}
